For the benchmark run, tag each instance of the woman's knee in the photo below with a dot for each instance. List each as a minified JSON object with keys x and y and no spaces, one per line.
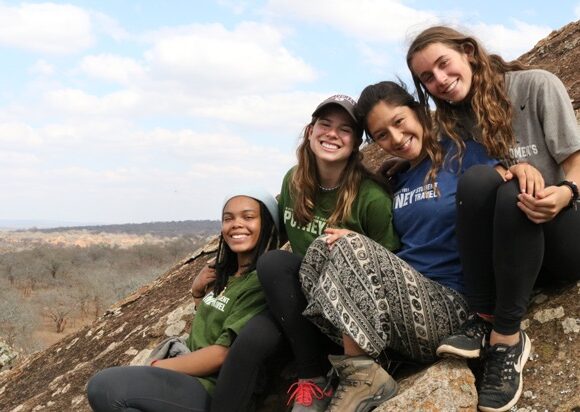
{"x":478,"y":180}
{"x":273,"y":265}
{"x":508,"y":216}
{"x":102,"y":388}
{"x":259,"y":338}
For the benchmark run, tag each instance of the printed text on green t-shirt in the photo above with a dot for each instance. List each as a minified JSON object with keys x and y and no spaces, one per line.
{"x":316,"y":226}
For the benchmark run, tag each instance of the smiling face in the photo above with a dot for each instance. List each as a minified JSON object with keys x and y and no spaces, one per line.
{"x":332,"y":137}
{"x":397,"y":130}
{"x":241,"y":223}
{"x":444,"y":71}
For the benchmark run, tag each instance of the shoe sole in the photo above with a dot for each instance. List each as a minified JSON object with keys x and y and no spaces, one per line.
{"x":371,"y":403}
{"x":444,"y":351}
{"x":516,"y":398}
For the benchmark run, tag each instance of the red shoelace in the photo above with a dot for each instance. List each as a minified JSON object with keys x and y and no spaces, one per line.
{"x":304,"y":392}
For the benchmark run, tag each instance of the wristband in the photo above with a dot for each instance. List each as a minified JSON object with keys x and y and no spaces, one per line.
{"x":574,"y":189}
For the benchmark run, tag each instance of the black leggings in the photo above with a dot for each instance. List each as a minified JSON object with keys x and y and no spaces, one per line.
{"x":503,"y":252}
{"x":258,"y":340}
{"x":146,"y":389}
{"x":278,"y":272}
{"x":263,"y":335}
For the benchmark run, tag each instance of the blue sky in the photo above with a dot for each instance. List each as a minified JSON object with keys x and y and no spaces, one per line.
{"x":134,"y":111}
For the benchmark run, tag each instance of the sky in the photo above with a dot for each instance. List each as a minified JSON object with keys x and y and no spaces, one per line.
{"x":135,"y":111}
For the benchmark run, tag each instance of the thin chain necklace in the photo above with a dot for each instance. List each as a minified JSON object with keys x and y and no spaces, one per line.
{"x":328,"y":189}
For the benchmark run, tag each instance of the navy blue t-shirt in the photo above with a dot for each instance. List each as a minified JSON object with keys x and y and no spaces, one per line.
{"x":426,"y":223}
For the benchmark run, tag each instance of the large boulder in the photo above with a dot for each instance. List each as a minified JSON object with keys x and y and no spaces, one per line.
{"x":448,"y":385}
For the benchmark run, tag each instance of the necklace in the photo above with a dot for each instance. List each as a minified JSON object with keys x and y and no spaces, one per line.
{"x":328,"y":189}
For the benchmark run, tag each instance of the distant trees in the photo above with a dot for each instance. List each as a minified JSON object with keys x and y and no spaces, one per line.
{"x":52,"y":287}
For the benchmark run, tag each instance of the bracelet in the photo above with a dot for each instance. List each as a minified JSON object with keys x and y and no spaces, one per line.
{"x":196,"y":297}
{"x":574,"y":189}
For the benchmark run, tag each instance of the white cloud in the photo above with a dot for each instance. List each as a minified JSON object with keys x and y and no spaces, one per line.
{"x":45,"y":27}
{"x":236,"y":6}
{"x":110,"y":27}
{"x":211,"y":59}
{"x":114,"y":68}
{"x":18,"y":134}
{"x":80,"y":102}
{"x":274,"y":111}
{"x":263,"y":111}
{"x":577,"y":11}
{"x":375,"y":58}
{"x":41,"y":67}
{"x":125,"y":176}
{"x":389,"y":21}
{"x":368,"y":20}
{"x":11,"y":158}
{"x":509,"y":42}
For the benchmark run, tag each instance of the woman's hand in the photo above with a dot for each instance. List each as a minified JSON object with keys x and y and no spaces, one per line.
{"x":204,"y":278}
{"x":546,"y":204}
{"x":529,"y":178}
{"x":333,"y":234}
{"x":202,"y":362}
{"x":392,"y":166}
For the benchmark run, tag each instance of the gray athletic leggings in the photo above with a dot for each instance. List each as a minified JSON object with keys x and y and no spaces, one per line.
{"x":146,"y":389}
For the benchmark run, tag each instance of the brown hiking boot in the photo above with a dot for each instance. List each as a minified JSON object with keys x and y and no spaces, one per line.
{"x":363,"y":384}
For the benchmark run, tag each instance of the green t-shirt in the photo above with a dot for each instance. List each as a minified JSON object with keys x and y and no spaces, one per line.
{"x":371,"y":215}
{"x":219,"y":319}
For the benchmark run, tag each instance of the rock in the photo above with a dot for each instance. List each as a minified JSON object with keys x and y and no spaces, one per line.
{"x":540,"y":298}
{"x":525,"y":324}
{"x":571,"y":325}
{"x":8,"y":355}
{"x":448,"y":385}
{"x":547,"y":315}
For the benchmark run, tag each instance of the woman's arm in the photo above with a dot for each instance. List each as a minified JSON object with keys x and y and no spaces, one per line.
{"x":549,"y":202}
{"x":202,"y":362}
{"x":203,"y":281}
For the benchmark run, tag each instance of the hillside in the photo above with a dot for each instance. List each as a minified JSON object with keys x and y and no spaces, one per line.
{"x":161,"y":229}
{"x":55,"y":379}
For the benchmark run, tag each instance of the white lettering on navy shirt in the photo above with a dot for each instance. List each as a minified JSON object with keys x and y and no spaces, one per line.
{"x":406,"y":196}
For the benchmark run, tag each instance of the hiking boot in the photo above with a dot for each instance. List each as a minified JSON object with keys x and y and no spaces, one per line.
{"x":501,"y":383}
{"x":469,"y":341}
{"x":363,"y":384}
{"x":310,"y":395}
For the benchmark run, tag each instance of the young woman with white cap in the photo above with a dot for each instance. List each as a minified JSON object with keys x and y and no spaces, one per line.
{"x":227,"y":296}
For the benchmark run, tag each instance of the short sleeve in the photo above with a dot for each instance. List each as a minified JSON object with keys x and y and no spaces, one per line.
{"x":378,"y":224}
{"x":248,"y":304}
{"x":556,"y":115}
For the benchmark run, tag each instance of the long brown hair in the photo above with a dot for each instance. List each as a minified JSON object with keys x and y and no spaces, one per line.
{"x":305,"y":180}
{"x":491,"y":107}
{"x":394,"y":94}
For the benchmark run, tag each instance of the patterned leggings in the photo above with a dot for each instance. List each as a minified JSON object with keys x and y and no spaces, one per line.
{"x":362,"y":290}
